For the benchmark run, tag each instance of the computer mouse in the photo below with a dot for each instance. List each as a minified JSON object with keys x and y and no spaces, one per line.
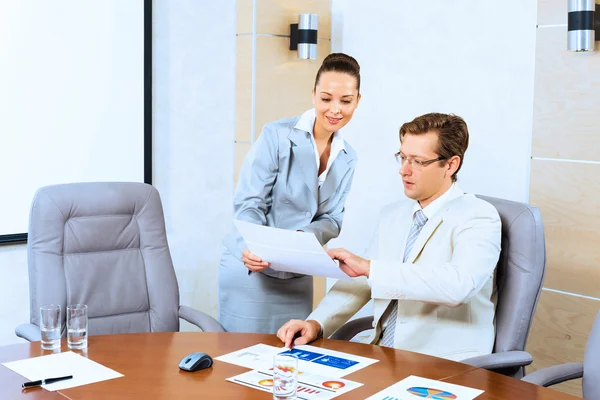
{"x":195,"y":362}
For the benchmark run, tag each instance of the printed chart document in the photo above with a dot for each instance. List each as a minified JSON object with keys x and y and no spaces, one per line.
{"x":84,"y":371}
{"x":309,"y":386}
{"x":289,"y":251}
{"x":311,"y":360}
{"x":415,"y":387}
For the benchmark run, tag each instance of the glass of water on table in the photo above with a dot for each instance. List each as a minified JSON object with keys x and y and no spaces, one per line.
{"x":285,"y":376}
{"x":77,"y":325}
{"x":50,"y":325}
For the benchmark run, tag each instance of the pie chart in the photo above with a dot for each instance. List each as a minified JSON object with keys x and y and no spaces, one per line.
{"x":429,"y":393}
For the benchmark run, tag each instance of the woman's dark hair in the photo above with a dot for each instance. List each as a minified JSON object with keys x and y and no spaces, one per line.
{"x":340,"y":62}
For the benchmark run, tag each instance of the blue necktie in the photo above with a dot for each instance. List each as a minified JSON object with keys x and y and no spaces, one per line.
{"x":419,"y":221}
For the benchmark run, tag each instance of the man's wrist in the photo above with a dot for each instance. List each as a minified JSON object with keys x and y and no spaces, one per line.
{"x":317,"y":326}
{"x":367,"y":272}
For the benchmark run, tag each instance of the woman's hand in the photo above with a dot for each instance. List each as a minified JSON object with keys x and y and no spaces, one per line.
{"x":253,"y":262}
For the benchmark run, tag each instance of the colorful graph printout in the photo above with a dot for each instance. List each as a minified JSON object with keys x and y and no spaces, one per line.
{"x":415,"y":387}
{"x":311,"y":360}
{"x":429,"y":393}
{"x":310,"y":387}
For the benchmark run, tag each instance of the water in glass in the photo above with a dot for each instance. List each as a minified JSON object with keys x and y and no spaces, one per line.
{"x":50,"y":325}
{"x":50,"y":338}
{"x":77,"y":338}
{"x":285,"y":377}
{"x":77,"y":324}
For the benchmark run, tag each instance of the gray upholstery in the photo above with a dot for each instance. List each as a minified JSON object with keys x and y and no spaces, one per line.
{"x":519,"y":278}
{"x":104,"y":244}
{"x":589,"y":369}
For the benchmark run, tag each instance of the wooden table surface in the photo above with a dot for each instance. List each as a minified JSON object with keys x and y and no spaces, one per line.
{"x":149,"y":363}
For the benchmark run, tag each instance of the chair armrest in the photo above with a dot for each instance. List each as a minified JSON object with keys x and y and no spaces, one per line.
{"x":29,"y":332}
{"x":506,"y":359}
{"x":353,"y":328}
{"x":555,"y":374}
{"x":200,"y":319}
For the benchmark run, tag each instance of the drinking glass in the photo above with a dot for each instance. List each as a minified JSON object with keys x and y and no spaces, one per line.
{"x":77,"y":324}
{"x":285,"y":376}
{"x":50,"y":324}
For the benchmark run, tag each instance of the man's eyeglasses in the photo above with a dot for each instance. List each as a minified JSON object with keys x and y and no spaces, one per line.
{"x":415,"y":164}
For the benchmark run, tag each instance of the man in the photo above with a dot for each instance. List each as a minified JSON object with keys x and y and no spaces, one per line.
{"x":433,"y":283}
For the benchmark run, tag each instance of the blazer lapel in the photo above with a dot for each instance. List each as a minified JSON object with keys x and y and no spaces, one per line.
{"x":432,"y":224}
{"x":424,"y":235}
{"x":337,"y":171}
{"x":304,"y":157}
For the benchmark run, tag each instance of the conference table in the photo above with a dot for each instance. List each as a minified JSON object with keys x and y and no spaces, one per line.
{"x":149,"y":363}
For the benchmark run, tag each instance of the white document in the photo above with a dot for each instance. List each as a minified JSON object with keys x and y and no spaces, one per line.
{"x":312,"y":360}
{"x":289,"y":251}
{"x":260,"y":356}
{"x":309,"y":386}
{"x":84,"y":371}
{"x":415,"y":387}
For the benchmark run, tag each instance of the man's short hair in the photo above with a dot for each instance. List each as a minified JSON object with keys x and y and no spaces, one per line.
{"x":453,"y":135}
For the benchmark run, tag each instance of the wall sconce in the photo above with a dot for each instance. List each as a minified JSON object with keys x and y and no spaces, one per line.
{"x":303,"y":36}
{"x":582,"y":24}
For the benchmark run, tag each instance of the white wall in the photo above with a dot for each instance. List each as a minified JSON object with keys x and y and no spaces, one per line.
{"x":194,"y":103}
{"x":471,"y":58}
{"x":194,"y":110}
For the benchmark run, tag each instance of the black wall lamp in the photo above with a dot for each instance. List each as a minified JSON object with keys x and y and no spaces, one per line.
{"x":303,"y":36}
{"x":583,"y":25}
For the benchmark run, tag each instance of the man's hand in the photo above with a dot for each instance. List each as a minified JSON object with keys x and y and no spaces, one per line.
{"x":253,"y":262}
{"x":351,"y":264}
{"x":302,"y":331}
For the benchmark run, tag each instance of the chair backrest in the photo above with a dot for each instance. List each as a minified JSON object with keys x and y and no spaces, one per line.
{"x":104,"y":245}
{"x":591,"y":363}
{"x":520,"y":272}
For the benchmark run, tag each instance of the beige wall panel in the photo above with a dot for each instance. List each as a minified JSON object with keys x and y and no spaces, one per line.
{"x":319,"y":289}
{"x":243,"y":89}
{"x":559,"y":333}
{"x":244,"y":16}
{"x":240,"y":151}
{"x":567,"y":195}
{"x":566,"y":99}
{"x":283,"y":83}
{"x":275,"y":16}
{"x":552,"y":12}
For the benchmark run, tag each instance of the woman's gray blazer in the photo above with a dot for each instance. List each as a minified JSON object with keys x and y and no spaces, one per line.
{"x":278,"y":186}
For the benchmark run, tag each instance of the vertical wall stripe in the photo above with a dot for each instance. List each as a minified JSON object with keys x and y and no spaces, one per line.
{"x":253,"y":93}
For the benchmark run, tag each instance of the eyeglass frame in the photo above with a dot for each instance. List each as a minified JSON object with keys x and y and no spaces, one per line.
{"x":421,"y":164}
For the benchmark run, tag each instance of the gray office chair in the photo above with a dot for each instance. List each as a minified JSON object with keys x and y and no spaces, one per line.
{"x":519,"y":278}
{"x":589,"y":370}
{"x":104,"y":245}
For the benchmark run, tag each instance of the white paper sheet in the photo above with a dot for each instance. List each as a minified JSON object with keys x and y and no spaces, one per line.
{"x":415,"y":387}
{"x":84,"y":371}
{"x":312,"y":360}
{"x":289,"y":251}
{"x":309,"y":386}
{"x":259,"y":356}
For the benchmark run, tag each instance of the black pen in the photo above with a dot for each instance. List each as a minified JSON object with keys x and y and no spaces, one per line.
{"x":45,"y":381}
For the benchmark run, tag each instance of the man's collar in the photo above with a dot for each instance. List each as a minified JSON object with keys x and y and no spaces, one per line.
{"x":432,"y":208}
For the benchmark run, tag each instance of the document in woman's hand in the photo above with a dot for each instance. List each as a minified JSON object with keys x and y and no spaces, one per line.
{"x":289,"y":251}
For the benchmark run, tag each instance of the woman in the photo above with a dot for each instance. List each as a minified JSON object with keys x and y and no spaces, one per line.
{"x":296,"y":176}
